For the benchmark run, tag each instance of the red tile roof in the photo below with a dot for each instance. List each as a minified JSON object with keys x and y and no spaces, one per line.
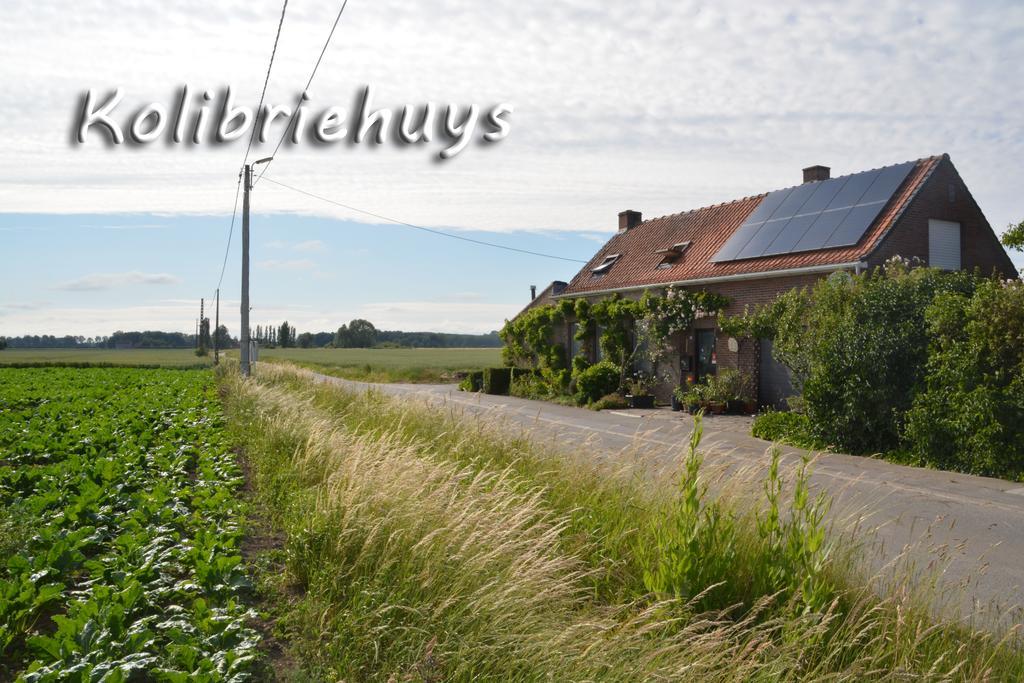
{"x":707,"y":229}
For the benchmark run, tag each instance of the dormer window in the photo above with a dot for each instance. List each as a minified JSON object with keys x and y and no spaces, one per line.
{"x":606,"y":265}
{"x":671,"y":255}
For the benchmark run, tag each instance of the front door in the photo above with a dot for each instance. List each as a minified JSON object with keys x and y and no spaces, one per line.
{"x":706,"y":359}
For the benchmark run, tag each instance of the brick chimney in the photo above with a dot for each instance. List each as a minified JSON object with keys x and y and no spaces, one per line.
{"x":629,"y":219}
{"x":813,"y":173}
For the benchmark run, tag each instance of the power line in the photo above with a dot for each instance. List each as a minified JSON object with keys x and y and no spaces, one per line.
{"x":425,"y":229}
{"x":309,"y":82}
{"x":252,"y":135}
{"x":266,"y":80}
{"x":231,"y":231}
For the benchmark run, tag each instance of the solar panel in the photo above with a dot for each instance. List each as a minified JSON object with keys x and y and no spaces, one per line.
{"x":768,"y":205}
{"x":817,"y":215}
{"x":798,"y":226}
{"x":886,"y":182}
{"x":821,"y":229}
{"x":762,"y":239}
{"x":737,"y":241}
{"x":853,"y":226}
{"x":823,"y":195}
{"x":794,"y":201}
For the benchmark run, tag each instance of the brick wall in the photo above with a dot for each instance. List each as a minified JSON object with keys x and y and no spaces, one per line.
{"x":945,"y":197}
{"x":752,"y":293}
{"x":746,"y":358}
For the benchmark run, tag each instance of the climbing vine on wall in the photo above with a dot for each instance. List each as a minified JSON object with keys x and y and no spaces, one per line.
{"x":675,"y":312}
{"x":629,"y":328}
{"x":530,"y":342}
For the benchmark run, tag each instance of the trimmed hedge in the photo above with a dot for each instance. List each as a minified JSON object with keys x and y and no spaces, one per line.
{"x":473,"y":381}
{"x":497,"y":381}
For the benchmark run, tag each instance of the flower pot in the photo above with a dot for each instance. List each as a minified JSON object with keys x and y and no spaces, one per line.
{"x":716,"y":407}
{"x":750,"y":407}
{"x":734,"y":407}
{"x":676,"y":405}
{"x":693,"y":408}
{"x":640,"y":401}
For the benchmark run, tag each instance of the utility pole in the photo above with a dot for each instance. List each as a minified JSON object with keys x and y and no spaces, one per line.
{"x":247,"y":184}
{"x":216,"y":329}
{"x":202,"y":319}
{"x":244,"y":350}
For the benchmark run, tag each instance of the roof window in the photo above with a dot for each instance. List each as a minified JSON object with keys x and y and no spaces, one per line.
{"x":671,"y":255}
{"x":606,"y":265}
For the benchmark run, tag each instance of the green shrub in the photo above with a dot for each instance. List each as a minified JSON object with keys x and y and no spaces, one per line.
{"x":473,"y":381}
{"x":783,"y":427}
{"x":600,"y":379}
{"x":857,"y":347}
{"x":497,"y":380}
{"x":610,"y":402}
{"x":970,"y":415}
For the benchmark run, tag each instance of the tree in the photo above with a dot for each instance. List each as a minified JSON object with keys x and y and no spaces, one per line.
{"x":223,"y":338}
{"x":1013,"y":238}
{"x":3,"y":343}
{"x":284,"y":335}
{"x":305,"y":340}
{"x":362,"y":333}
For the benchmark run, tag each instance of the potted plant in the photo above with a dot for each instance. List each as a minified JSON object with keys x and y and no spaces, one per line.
{"x":638,"y":391}
{"x":717,"y":393}
{"x":689,"y":396}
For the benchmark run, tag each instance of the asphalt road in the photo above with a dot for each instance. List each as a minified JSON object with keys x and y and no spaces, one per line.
{"x":971,"y":528}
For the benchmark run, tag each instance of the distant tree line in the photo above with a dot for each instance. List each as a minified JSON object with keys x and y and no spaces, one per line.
{"x":148,"y":339}
{"x":283,"y":335}
{"x":49,"y":341}
{"x":358,"y":333}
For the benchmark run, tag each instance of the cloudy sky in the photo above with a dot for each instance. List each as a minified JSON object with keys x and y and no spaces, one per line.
{"x":654,"y":106}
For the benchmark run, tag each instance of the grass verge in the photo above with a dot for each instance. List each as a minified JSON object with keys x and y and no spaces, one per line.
{"x":421,"y":545}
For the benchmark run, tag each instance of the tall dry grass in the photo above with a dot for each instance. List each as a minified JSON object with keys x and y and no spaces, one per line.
{"x":424,"y":546}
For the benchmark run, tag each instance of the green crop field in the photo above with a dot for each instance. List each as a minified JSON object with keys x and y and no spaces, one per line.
{"x":119,"y":528}
{"x":147,"y":357}
{"x":389,"y":365}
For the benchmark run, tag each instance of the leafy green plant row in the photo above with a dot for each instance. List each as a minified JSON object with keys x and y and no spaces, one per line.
{"x":119,"y":527}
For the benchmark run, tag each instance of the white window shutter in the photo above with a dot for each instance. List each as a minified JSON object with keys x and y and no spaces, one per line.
{"x":943,"y":244}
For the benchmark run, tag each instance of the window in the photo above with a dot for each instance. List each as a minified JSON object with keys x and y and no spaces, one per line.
{"x":943,"y":244}
{"x":605,"y":266}
{"x":672,"y":255}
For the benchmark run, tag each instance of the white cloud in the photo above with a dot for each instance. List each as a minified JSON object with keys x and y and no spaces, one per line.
{"x":434,"y":316}
{"x":100,"y":281}
{"x":306,"y":245}
{"x":286,"y":264}
{"x":634,"y":105}
{"x":309,"y":245}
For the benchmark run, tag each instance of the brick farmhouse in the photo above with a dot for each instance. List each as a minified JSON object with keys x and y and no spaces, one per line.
{"x":930,"y":216}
